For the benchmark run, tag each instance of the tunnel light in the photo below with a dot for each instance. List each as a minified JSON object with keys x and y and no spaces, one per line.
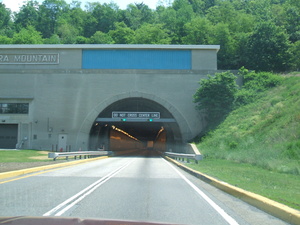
{"x":125,"y":133}
{"x":160,"y":131}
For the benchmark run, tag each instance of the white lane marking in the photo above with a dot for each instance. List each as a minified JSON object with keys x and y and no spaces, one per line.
{"x":228,"y":218}
{"x":69,"y":203}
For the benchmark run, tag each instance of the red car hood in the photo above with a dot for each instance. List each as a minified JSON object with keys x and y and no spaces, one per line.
{"x":26,"y":220}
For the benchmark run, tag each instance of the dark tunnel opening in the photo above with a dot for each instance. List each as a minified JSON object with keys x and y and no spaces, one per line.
{"x":123,"y":133}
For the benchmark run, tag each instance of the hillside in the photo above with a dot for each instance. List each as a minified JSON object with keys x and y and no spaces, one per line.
{"x":262,"y":35}
{"x":265,"y":133}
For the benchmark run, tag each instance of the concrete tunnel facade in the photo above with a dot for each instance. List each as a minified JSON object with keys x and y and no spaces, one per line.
{"x":53,"y":96}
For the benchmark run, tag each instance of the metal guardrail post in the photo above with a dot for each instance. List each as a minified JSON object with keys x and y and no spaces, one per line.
{"x":85,"y":154}
{"x":182,"y":156}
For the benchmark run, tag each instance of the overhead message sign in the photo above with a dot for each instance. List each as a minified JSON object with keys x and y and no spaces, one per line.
{"x":29,"y":58}
{"x":136,"y":115}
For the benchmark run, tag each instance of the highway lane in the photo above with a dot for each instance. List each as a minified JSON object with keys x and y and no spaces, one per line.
{"x":143,"y":188}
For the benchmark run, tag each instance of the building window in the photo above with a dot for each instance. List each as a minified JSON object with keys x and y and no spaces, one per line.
{"x":14,"y":108}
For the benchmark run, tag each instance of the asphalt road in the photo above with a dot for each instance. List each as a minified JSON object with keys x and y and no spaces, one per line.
{"x":139,"y":188}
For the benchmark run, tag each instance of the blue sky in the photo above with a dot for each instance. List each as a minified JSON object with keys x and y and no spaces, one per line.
{"x":14,"y":5}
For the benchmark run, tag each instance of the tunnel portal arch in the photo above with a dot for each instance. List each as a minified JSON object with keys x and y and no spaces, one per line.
{"x":162,"y":134}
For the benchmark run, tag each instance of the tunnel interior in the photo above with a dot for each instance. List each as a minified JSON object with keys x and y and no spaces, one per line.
{"x":119,"y":134}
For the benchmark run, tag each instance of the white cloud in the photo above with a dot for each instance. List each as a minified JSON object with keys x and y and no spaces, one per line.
{"x":13,"y":5}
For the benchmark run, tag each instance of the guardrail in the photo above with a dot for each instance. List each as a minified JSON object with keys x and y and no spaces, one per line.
{"x":85,"y":154}
{"x":179,"y":156}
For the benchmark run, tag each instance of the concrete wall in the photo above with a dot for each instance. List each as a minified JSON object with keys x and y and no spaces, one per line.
{"x":65,"y":99}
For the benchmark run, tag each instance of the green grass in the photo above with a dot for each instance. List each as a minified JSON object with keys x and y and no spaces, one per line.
{"x":22,"y":156}
{"x":257,"y":147}
{"x":265,"y":133}
{"x":280,"y":187}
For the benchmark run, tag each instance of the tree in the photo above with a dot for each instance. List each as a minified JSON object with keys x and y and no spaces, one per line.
{"x":75,"y":17}
{"x":242,"y":23}
{"x":295,"y":49}
{"x":54,"y":39}
{"x":261,"y":9}
{"x":239,"y":59}
{"x":49,"y":13}
{"x":198,"y":31}
{"x":223,"y":12}
{"x":105,"y":16}
{"x":292,"y":22}
{"x":152,"y":34}
{"x":5,"y":40}
{"x":89,"y":25}
{"x":101,"y":38}
{"x":268,"y":48}
{"x":82,"y":40}
{"x":209,"y":3}
{"x":174,"y":19}
{"x":166,"y":16}
{"x":137,"y":14}
{"x":5,"y":20}
{"x":184,"y":14}
{"x":258,"y":34}
{"x":122,"y":34}
{"x":28,"y":36}
{"x":67,"y":33}
{"x":221,"y":36}
{"x":27,"y":16}
{"x":198,"y":6}
{"x":215,"y":97}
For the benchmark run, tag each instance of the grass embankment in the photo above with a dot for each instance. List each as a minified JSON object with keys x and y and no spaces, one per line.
{"x":23,"y":156}
{"x":257,"y":147}
{"x":280,"y":187}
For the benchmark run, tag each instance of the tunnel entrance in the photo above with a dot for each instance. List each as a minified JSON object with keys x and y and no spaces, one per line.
{"x":135,"y":123}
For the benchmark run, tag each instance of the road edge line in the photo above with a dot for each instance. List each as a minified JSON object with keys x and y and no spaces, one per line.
{"x":272,"y":207}
{"x":41,"y":168}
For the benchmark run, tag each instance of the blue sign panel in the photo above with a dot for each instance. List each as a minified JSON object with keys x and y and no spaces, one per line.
{"x":137,"y":59}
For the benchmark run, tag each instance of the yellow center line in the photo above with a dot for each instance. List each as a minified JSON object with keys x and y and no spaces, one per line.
{"x":35,"y":174}
{"x":38,"y":173}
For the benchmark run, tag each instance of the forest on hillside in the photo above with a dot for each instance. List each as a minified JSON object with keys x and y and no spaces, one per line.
{"x":262,"y":35}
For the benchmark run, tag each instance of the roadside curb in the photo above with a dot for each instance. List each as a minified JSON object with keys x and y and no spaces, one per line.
{"x":276,"y":209}
{"x":41,"y":168}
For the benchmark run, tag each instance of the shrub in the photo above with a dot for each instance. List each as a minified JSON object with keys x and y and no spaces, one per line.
{"x":261,"y":81}
{"x":293,"y":150}
{"x":215,"y":96}
{"x":253,"y":84}
{"x":5,"y":40}
{"x":233,"y":145}
{"x":244,"y":97}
